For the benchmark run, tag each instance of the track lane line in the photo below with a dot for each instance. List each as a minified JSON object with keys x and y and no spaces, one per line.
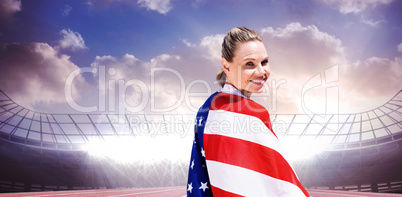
{"x":64,"y":193}
{"x":312,"y":194}
{"x":151,"y":192}
{"x":350,"y":193}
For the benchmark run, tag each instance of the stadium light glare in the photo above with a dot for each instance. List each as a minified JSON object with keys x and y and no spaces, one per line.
{"x":142,"y":148}
{"x":302,"y":149}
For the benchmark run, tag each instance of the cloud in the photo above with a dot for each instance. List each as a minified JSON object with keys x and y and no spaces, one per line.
{"x":34,"y":74}
{"x":66,"y":11}
{"x":124,"y":68}
{"x":158,"y":85}
{"x":212,"y":45}
{"x":371,"y":22}
{"x":372,"y":82}
{"x":71,"y":40}
{"x":180,"y":81}
{"x":8,"y":8}
{"x":161,"y":6}
{"x":400,"y":47}
{"x":187,"y":43}
{"x":354,"y":6}
{"x":165,"y":80}
{"x":299,"y":54}
{"x":298,"y":50}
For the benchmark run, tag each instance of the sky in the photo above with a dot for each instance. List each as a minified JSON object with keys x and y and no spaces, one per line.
{"x":161,"y":56}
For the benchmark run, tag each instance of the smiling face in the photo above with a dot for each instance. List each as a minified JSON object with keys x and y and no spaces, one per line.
{"x":249,"y":69}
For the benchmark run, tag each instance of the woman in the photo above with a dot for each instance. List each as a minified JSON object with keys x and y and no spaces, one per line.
{"x":235,"y":152}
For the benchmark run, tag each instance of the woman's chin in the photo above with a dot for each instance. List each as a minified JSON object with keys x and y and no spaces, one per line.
{"x":256,"y":90}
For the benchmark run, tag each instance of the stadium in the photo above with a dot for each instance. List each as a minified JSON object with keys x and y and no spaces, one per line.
{"x":52,"y":152}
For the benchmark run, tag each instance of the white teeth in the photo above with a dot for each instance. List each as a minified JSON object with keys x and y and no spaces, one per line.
{"x":259,"y":81}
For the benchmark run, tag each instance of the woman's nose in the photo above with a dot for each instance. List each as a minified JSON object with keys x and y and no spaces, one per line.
{"x":260,"y":70}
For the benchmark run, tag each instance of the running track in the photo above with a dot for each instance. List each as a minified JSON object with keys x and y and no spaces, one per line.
{"x":174,"y":192}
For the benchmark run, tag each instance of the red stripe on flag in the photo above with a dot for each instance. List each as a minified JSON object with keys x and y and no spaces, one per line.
{"x":220,"y":192}
{"x":238,"y":104}
{"x":251,"y":156}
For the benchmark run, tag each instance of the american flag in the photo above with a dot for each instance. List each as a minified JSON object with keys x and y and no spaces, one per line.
{"x":236,"y":153}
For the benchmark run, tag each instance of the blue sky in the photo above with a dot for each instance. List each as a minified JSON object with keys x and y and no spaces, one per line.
{"x":44,"y":41}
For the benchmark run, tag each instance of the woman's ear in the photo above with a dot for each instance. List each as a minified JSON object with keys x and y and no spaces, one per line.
{"x":225,"y":65}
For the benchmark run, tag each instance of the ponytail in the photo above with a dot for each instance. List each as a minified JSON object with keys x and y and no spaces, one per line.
{"x":221,"y":77}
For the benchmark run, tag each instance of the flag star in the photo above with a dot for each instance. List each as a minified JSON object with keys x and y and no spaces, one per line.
{"x":203,"y":152}
{"x":200,"y":121}
{"x":192,"y":164}
{"x":190,"y":187}
{"x":204,"y":186}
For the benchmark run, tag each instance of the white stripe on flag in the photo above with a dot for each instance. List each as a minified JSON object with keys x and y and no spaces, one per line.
{"x":247,"y":182}
{"x":241,"y":126}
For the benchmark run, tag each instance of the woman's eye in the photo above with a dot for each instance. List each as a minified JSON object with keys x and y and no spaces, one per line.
{"x":249,"y":64}
{"x":264,"y":63}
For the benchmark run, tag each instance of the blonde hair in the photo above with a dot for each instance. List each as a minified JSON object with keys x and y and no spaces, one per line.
{"x":229,"y":46}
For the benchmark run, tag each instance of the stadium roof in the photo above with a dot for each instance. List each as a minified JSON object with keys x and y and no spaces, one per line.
{"x":72,"y":131}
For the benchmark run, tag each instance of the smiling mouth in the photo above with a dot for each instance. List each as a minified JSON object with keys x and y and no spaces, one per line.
{"x":258,"y":82}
